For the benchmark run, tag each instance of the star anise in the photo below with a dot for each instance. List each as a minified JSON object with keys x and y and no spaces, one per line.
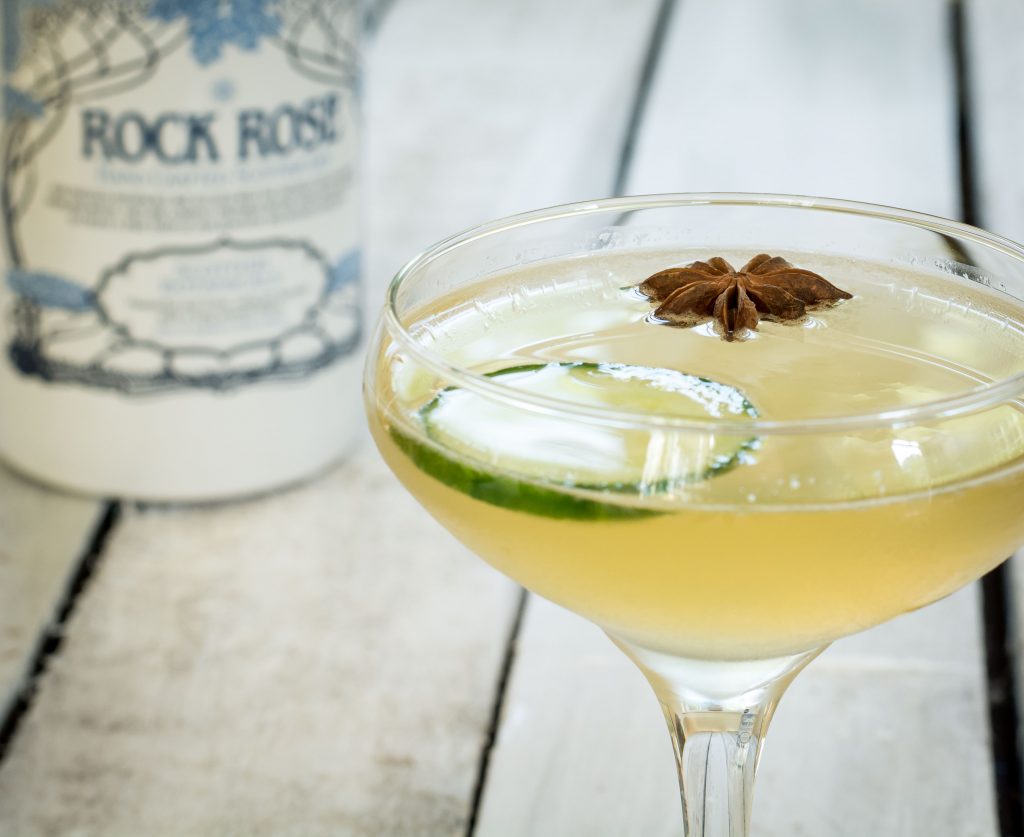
{"x":766,"y":286}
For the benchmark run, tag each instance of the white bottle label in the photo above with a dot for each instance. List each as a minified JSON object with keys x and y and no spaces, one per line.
{"x":179,"y":192}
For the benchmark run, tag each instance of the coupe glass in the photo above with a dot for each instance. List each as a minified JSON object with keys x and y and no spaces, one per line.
{"x":721,"y":599}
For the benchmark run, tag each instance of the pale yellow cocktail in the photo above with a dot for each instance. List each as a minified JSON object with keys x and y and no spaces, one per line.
{"x":802,"y":538}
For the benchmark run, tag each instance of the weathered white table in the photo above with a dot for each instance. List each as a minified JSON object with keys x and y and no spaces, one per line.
{"x":301,"y":665}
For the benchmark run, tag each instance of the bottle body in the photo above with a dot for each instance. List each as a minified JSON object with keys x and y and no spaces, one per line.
{"x":181,"y":308}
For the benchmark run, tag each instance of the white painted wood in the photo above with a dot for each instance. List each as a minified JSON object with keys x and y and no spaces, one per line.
{"x":320,"y":662}
{"x":324,"y":662}
{"x":478,"y":110}
{"x":850,"y":100}
{"x":886,"y":734}
{"x":43,"y":536}
{"x":582,"y":747}
{"x":994,"y":29}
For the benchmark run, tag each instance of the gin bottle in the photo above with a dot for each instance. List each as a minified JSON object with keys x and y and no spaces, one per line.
{"x":179,"y":304}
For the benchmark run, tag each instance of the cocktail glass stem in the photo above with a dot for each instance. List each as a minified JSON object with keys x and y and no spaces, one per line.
{"x":718,"y":714}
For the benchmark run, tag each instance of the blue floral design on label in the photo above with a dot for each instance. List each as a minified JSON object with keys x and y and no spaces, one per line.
{"x":213,"y":24}
{"x":49,"y":291}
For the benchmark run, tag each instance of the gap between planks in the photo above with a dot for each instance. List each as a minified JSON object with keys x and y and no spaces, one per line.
{"x":662,"y":23}
{"x":500,"y":692}
{"x":50,"y":640}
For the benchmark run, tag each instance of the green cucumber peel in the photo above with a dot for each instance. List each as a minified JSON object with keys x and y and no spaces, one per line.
{"x":509,"y":492}
{"x":528,"y":494}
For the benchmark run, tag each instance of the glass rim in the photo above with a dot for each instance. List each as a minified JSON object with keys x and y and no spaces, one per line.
{"x":988,"y":395}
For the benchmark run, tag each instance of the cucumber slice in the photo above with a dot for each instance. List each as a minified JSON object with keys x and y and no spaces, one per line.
{"x":528,"y":461}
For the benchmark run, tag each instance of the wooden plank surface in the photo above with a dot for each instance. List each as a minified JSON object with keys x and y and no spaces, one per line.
{"x":43,"y":536}
{"x":481,"y":110}
{"x":324,"y":662}
{"x":583,"y":748}
{"x":995,"y":61}
{"x":854,"y":100}
{"x":279,"y":667}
